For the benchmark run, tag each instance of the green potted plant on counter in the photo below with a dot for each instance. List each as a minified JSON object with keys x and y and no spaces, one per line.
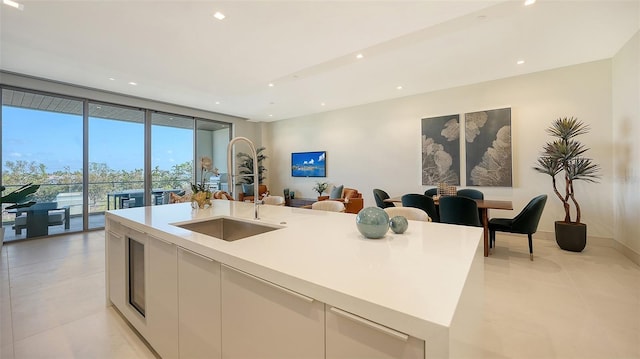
{"x":565,"y":156}
{"x":17,"y":199}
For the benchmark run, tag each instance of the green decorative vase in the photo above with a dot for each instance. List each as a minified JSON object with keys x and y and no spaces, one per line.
{"x":398,"y":224}
{"x":372,"y":222}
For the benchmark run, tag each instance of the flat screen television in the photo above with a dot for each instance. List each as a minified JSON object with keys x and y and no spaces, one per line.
{"x":309,"y":164}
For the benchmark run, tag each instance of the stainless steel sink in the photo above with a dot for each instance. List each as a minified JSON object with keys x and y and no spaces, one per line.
{"x":227,"y":229}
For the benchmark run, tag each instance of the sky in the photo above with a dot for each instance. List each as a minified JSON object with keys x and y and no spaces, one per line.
{"x":55,"y":139}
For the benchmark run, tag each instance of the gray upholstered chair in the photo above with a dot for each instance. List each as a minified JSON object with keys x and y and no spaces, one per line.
{"x":422,"y":202}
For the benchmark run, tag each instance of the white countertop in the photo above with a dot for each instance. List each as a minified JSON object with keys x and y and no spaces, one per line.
{"x":411,"y":282}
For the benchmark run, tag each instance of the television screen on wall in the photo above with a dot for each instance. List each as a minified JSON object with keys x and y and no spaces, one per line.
{"x":309,"y":164}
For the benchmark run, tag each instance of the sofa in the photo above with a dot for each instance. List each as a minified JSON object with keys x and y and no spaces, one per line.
{"x":351,"y":198}
{"x":55,"y":216}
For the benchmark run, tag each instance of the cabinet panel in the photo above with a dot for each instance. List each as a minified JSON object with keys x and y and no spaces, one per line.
{"x":198,"y":306}
{"x":352,"y":337}
{"x":263,"y":320}
{"x":162,"y":299}
{"x":116,"y":256}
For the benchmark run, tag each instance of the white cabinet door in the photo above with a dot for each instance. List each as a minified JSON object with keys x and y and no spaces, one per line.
{"x":116,"y":262}
{"x":353,"y":337}
{"x":198,"y":306}
{"x":162,"y":297}
{"x":263,"y":320}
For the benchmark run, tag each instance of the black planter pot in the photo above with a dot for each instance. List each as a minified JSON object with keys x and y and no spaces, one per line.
{"x":571,"y":236}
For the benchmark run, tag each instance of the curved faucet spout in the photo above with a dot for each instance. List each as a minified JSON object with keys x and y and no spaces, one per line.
{"x":231,"y":174}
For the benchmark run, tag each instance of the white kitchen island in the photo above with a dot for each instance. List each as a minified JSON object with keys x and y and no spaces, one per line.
{"x":313,"y":288}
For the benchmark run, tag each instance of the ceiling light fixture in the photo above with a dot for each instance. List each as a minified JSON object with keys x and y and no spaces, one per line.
{"x":13,"y":4}
{"x":520,"y":62}
{"x":111,"y":79}
{"x":399,"y":88}
{"x":359,"y":56}
{"x":271,"y":84}
{"x":217,"y":102}
{"x":322,"y":104}
{"x":133,"y":83}
{"x":218,"y":15}
{"x":529,"y":2}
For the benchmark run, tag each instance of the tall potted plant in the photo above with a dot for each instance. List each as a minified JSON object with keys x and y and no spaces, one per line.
{"x":565,"y":156}
{"x":17,"y":199}
{"x":246,"y":166}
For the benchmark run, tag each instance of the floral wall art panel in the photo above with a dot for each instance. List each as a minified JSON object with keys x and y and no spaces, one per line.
{"x":441,"y":150}
{"x":488,"y":148}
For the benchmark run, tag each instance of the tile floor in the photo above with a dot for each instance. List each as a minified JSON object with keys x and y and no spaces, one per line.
{"x":562,"y":305}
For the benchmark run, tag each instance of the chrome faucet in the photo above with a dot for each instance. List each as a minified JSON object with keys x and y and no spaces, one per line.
{"x":230,"y":180}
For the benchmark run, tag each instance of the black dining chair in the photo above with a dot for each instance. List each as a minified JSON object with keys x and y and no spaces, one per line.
{"x":431,"y":192}
{"x":526,"y":222}
{"x":459,"y":210}
{"x":470,"y":193}
{"x":380,"y":195}
{"x":473,"y":194}
{"x":423,"y":202}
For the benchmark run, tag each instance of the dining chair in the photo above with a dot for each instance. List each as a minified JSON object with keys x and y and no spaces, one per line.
{"x":459,"y":210}
{"x":473,"y":194}
{"x":470,"y":193}
{"x":422,"y":202}
{"x":380,"y":195}
{"x":431,"y":192}
{"x":526,"y":222}
{"x":273,"y":200}
{"x":328,"y":205}
{"x":410,"y":213}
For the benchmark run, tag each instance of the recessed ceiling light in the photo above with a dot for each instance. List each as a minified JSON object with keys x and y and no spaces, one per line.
{"x":217,"y":102}
{"x":133,"y":83}
{"x":111,"y":79}
{"x":399,"y":88}
{"x":322,"y":104}
{"x":270,"y":115}
{"x":359,"y":56}
{"x":520,"y":62}
{"x":271,"y":84}
{"x":13,"y":4}
{"x":529,"y":2}
{"x":218,"y":15}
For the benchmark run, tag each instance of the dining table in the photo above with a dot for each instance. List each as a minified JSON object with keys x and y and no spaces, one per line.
{"x":484,"y":205}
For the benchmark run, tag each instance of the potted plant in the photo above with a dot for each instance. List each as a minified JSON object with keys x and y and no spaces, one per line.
{"x":320,"y":187}
{"x":565,"y":155}
{"x":17,"y":199}
{"x":246,"y":166}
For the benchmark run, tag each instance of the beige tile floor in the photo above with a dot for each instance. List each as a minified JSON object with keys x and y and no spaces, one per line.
{"x":562,"y":305}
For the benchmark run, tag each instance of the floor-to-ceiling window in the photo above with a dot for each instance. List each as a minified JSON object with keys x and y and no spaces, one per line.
{"x":42,"y":143}
{"x":171,"y":155}
{"x":126,"y":157}
{"x":116,"y":159}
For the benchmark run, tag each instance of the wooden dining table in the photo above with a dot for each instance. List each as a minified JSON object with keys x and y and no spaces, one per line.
{"x":484,"y":205}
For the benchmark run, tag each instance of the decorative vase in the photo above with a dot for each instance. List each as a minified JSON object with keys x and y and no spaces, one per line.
{"x":571,"y":236}
{"x":201,"y":200}
{"x":372,"y":222}
{"x":398,"y":224}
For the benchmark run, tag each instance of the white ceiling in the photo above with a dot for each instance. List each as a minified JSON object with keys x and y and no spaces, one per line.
{"x":179,"y":53}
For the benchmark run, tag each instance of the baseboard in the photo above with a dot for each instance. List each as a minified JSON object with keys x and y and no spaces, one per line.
{"x":600,"y":241}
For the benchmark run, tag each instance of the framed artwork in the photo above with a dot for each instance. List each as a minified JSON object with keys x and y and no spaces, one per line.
{"x":441,"y":150}
{"x":488,"y":148}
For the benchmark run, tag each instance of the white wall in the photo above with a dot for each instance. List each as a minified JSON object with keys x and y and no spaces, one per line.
{"x":626,"y":132}
{"x":379,"y":145}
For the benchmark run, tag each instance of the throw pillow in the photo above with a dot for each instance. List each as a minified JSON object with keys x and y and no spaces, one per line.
{"x":350,"y":193}
{"x":247,"y":189}
{"x":336,"y":192}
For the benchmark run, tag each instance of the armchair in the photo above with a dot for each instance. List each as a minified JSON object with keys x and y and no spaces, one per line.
{"x":351,"y":198}
{"x":247,"y":192}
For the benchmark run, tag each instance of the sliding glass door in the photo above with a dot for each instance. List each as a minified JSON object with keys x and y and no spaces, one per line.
{"x":171,"y":156}
{"x":116,"y":159}
{"x":42,"y":142}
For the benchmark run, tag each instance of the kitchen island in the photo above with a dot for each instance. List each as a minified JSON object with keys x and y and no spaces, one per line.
{"x":312,"y":287}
